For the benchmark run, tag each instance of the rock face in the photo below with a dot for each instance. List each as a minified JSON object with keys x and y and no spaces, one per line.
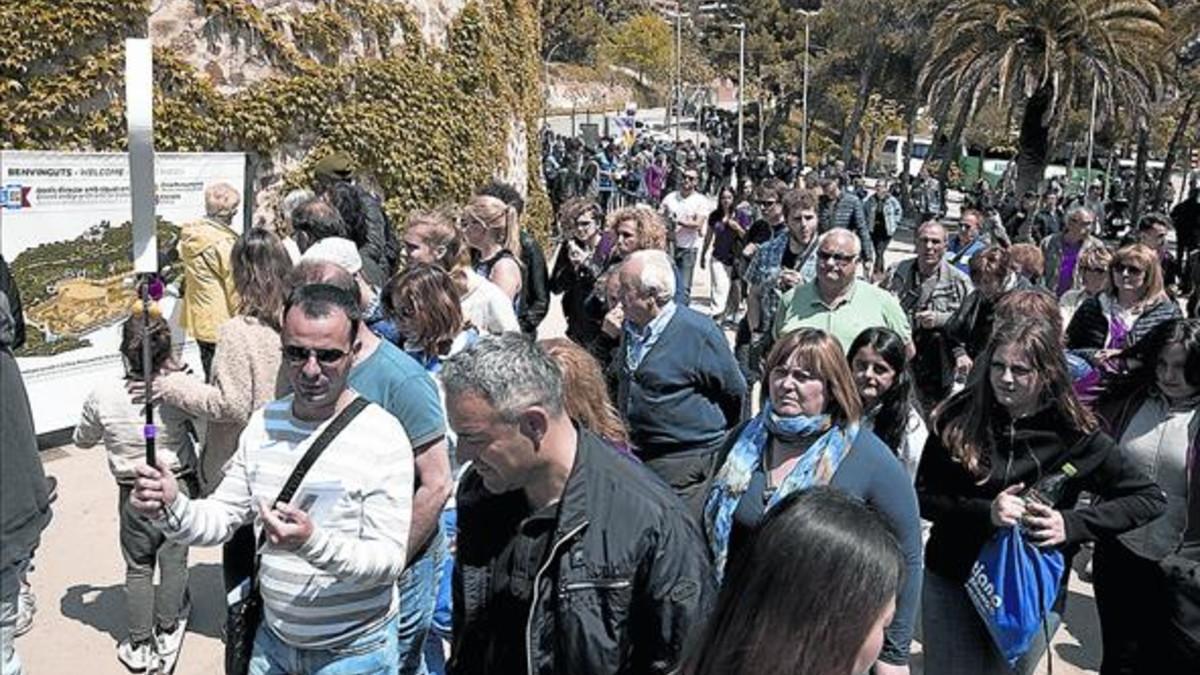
{"x":233,"y":58}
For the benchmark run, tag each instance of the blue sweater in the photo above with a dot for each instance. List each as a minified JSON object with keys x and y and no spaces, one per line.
{"x":871,"y":473}
{"x":686,"y":393}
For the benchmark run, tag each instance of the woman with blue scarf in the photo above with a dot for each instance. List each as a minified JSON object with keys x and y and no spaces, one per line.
{"x":808,"y":434}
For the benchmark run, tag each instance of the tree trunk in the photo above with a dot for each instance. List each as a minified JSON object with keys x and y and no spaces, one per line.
{"x":866,"y":81}
{"x":1136,"y":203}
{"x":870,"y":153}
{"x":1169,"y":161}
{"x":909,"y":133}
{"x":950,"y":153}
{"x":1033,"y":142}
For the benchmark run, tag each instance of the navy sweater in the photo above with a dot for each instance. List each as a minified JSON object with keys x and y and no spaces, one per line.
{"x":686,"y":393}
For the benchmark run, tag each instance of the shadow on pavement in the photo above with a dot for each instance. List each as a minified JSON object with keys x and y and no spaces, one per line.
{"x":103,"y":607}
{"x":1080,"y":620}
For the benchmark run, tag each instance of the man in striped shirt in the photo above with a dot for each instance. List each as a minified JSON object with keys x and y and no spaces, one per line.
{"x":331,"y":558}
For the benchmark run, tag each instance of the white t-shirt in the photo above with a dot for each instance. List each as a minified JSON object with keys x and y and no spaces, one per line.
{"x":694,"y":208}
{"x":488,"y":308}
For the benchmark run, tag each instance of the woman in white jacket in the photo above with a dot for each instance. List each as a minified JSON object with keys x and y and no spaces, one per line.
{"x":880,"y":366}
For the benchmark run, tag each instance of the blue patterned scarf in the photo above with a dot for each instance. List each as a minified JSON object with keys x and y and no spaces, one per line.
{"x":816,"y":467}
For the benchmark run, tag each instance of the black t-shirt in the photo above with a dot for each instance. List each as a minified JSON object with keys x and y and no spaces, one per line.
{"x":790,"y":258}
{"x":513,"y":573}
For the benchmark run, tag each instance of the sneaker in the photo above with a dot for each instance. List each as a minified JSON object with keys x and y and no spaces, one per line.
{"x":51,"y":489}
{"x":137,"y":658}
{"x":26,"y":608}
{"x":168,"y":642}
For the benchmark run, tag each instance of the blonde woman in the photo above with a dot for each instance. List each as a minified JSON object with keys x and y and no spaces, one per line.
{"x":430,"y":237}
{"x":1117,"y":319}
{"x":491,"y":228}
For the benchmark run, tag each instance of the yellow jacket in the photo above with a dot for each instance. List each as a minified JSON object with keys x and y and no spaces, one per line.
{"x":209,"y":298}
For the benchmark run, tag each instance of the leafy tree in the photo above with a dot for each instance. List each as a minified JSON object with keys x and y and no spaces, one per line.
{"x":643,"y":43}
{"x":1036,"y":55}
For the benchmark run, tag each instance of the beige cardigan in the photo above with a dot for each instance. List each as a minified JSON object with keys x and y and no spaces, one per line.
{"x":246,"y":374}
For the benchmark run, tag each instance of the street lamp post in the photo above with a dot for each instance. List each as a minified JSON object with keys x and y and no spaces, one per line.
{"x":741,"y":82}
{"x":804,"y":94}
{"x":678,"y":102}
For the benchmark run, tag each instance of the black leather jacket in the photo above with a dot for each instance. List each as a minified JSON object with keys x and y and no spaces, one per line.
{"x":625,"y":581}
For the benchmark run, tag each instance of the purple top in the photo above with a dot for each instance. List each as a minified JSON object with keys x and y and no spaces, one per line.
{"x":1066,"y":269}
{"x":1118,"y":333}
{"x":724,"y":238}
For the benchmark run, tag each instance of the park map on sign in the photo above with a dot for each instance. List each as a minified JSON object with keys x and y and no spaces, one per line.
{"x":71,"y":288}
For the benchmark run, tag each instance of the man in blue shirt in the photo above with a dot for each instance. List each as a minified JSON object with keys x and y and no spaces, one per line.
{"x":680,"y":389}
{"x":966,"y":242}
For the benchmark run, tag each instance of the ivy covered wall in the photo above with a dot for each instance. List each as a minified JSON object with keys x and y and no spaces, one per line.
{"x":427,"y":114}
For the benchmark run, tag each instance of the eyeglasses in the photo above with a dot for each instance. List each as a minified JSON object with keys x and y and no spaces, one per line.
{"x":1094,"y":270}
{"x":841,"y":258}
{"x":766,"y":204}
{"x":1131,"y":270}
{"x":297,"y":355}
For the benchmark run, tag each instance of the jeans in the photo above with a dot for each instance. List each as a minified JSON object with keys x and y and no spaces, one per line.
{"x":10,"y":593}
{"x":372,"y":653}
{"x":955,"y":640}
{"x":143,"y":545}
{"x":418,"y":597}
{"x":685,"y":261}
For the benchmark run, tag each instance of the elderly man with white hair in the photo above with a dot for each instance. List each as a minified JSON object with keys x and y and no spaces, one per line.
{"x":836,"y":301}
{"x":680,"y":389}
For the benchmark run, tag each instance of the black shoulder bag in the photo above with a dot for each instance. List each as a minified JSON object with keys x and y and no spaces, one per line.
{"x":243,"y":615}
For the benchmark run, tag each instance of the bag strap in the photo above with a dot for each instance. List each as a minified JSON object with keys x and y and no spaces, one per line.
{"x":335,"y":427}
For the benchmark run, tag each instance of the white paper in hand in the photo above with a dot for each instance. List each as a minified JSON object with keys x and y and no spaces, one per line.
{"x":317,"y":499}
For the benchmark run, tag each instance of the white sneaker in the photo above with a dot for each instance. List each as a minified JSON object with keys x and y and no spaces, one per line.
{"x":169,"y":643}
{"x":137,"y":659}
{"x":26,"y":608}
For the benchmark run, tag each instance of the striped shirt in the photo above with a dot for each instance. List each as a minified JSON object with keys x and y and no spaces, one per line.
{"x":341,"y":583}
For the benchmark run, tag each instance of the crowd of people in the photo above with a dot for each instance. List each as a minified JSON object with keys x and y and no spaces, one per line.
{"x":622,"y":499}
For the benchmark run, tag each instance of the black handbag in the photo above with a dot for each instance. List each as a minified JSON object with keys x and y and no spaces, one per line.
{"x":244,"y":614}
{"x":1181,"y":571}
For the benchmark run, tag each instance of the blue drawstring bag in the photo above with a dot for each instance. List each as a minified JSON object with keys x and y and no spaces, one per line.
{"x":1013,"y":585}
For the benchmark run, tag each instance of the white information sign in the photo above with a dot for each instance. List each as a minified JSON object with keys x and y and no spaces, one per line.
{"x":65,"y":230}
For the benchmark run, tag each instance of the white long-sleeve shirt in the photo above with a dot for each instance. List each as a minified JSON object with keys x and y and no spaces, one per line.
{"x":341,"y":583}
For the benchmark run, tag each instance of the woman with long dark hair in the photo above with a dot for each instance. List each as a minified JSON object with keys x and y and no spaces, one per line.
{"x":584,"y":254}
{"x":809,"y":434}
{"x":1017,"y":422}
{"x":810,"y":594}
{"x":879,"y":363}
{"x":726,"y":236}
{"x":246,"y":365}
{"x":1153,"y":410}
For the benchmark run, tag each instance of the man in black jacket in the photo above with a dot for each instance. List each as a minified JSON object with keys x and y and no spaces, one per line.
{"x":570,"y":557}
{"x":24,"y":494}
{"x":535,"y":278}
{"x":368,"y":224}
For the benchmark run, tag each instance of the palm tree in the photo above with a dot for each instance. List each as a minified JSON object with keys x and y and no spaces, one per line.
{"x":1038,"y":53}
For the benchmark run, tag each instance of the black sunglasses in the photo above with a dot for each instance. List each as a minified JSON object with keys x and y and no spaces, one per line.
{"x":297,"y":355}
{"x":840,"y":257}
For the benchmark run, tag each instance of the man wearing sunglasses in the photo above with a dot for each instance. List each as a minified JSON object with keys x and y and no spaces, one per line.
{"x":346,"y":548}
{"x":384,"y":374}
{"x":837,"y":302}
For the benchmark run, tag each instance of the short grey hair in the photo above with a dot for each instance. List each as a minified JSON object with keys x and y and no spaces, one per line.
{"x":842,"y":232}
{"x":291,"y":200}
{"x":1076,"y":210}
{"x":510,"y":371}
{"x":658,"y":274}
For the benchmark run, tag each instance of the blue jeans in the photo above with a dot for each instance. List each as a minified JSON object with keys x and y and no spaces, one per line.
{"x":685,"y":261}
{"x":10,"y":594}
{"x":418,"y":597}
{"x":373,"y":653}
